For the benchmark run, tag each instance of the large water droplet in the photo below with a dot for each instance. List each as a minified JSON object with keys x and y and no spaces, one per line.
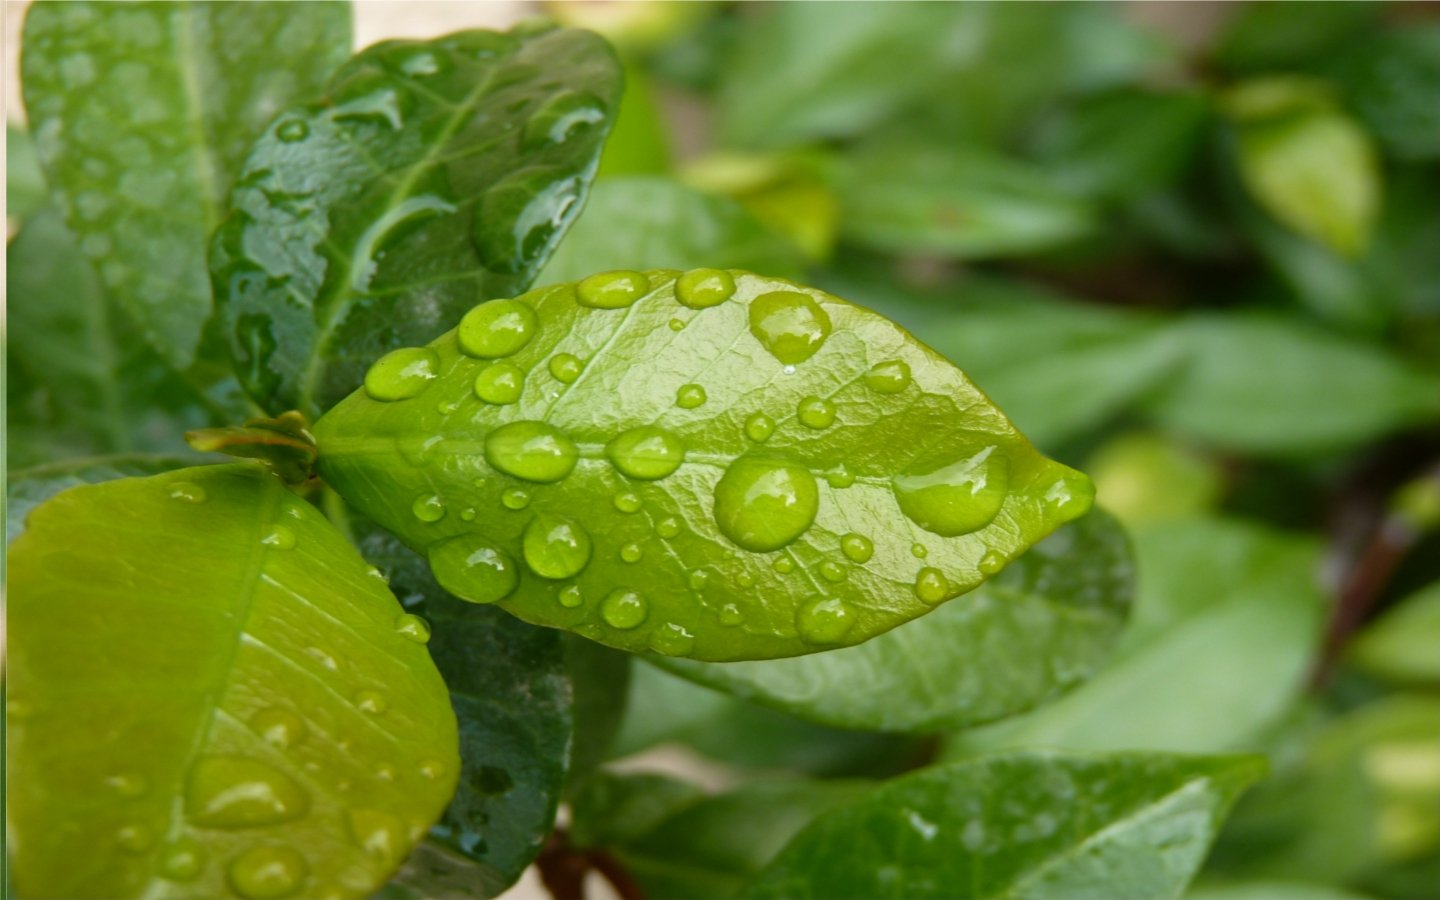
{"x":824,"y":620}
{"x":612,"y":290}
{"x":562,"y":117}
{"x":671,"y":639}
{"x":278,"y":537}
{"x":473,"y":569}
{"x":381,"y":835}
{"x":816,"y":412}
{"x":890,"y":377}
{"x":500,"y":384}
{"x":702,"y":288}
{"x":402,"y":374}
{"x":789,"y":324}
{"x":646,"y":452}
{"x":497,"y":328}
{"x":957,"y":499}
{"x":623,"y":609}
{"x":187,"y":491}
{"x":931,"y":585}
{"x":857,"y":547}
{"x":566,"y":367}
{"x":279,"y":727}
{"x":238,"y":792}
{"x":763,"y":504}
{"x":267,"y":872}
{"x":182,"y":861}
{"x":534,"y":451}
{"x":428,"y":508}
{"x":759,"y":427}
{"x":690,"y":396}
{"x":555,"y":547}
{"x":412,"y":628}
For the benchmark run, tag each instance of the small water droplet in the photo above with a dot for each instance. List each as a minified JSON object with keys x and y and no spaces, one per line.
{"x":612,"y":290}
{"x":789,"y":324}
{"x":991,"y":563}
{"x":566,"y":367}
{"x":889,"y":377}
{"x":279,"y":537}
{"x":824,"y":620}
{"x":703,"y":288}
{"x":671,"y":639}
{"x":134,"y":838}
{"x":128,"y":784}
{"x":323,"y":658}
{"x":267,"y":872}
{"x":931,"y":585}
{"x":446,"y":407}
{"x":497,"y":328}
{"x":428,"y":508}
{"x":555,"y":547}
{"x":764,"y":504}
{"x":631,"y":553}
{"x":182,"y":861}
{"x":759,"y":427}
{"x":783,"y":564}
{"x":432,"y":769}
{"x":371,"y":702}
{"x":385,"y":772}
{"x":467,"y":514}
{"x":857,"y":547}
{"x":745,"y":580}
{"x":627,"y":502}
{"x":515,"y":499}
{"x":623,"y":609}
{"x":832,"y":571}
{"x":279,"y":727}
{"x":840,"y":477}
{"x":292,"y":130}
{"x":534,"y":451}
{"x":571,"y":597}
{"x":187,"y":491}
{"x":423,"y":63}
{"x":956,"y":499}
{"x":1070,"y":496}
{"x":816,"y":412}
{"x":402,"y":374}
{"x":677,"y":325}
{"x":698,"y":579}
{"x":647,"y":453}
{"x":690,"y":396}
{"x":668,"y":527}
{"x":381,"y":835}
{"x":730,"y":615}
{"x":378,"y":575}
{"x":472,"y":568}
{"x":238,"y":792}
{"x":919,"y":551}
{"x":500,"y":384}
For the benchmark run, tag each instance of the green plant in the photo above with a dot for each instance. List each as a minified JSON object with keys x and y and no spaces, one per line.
{"x":538,"y":474}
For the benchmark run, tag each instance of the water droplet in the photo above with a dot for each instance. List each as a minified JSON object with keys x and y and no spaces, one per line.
{"x":554,"y":547}
{"x":267,"y":872}
{"x":446,"y":407}
{"x":677,"y":325}
{"x":816,"y":412}
{"x":385,"y":772}
{"x":832,"y":571}
{"x":292,"y":130}
{"x":890,"y":377}
{"x":134,"y":838}
{"x":690,"y":396}
{"x":698,"y":579}
{"x":764,"y":504}
{"x":424,"y":63}
{"x":646,"y":453}
{"x":566,"y":367}
{"x":515,"y":499}
{"x":499,"y":384}
{"x":857,"y":547}
{"x":627,"y":502}
{"x":631,"y":553}
{"x":128,"y":784}
{"x":279,"y":537}
{"x":467,"y":514}
{"x":919,"y":551}
{"x":322,"y":658}
{"x":931,"y":585}
{"x":745,"y":580}
{"x":789,"y":324}
{"x":473,"y":569}
{"x":562,"y":117}
{"x":371,"y":702}
{"x":497,"y":328}
{"x":824,"y":620}
{"x":783,"y":564}
{"x":432,"y":769}
{"x":759,"y":427}
{"x":428,"y":508}
{"x":182,"y":861}
{"x":668,"y":527}
{"x":534,"y":451}
{"x":279,"y":727}
{"x":702,"y":288}
{"x":840,"y":477}
{"x":571,"y":597}
{"x":730,"y":615}
{"x":187,"y":491}
{"x":612,"y":290}
{"x":1070,"y":496}
{"x":402,"y":374}
{"x":671,"y":639}
{"x":623,"y":609}
{"x":956,"y":499}
{"x":237,"y":792}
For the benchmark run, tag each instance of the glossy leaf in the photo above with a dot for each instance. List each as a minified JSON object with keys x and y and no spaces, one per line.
{"x":213,"y":697}
{"x":607,"y":437}
{"x":27,"y":488}
{"x":1035,"y":630}
{"x":432,"y":176}
{"x":513,"y":700}
{"x":1022,"y":825}
{"x":665,"y":226}
{"x":142,"y":113}
{"x":1222,"y":637}
{"x":1400,"y":644}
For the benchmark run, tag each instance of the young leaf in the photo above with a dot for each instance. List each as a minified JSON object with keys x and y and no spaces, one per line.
{"x":432,"y":176}
{"x":26,"y":489}
{"x":1399,"y":646}
{"x":141,"y":114}
{"x":213,"y":697}
{"x":772,"y":454}
{"x":1022,"y":825}
{"x":284,"y":443}
{"x":1038,"y":628}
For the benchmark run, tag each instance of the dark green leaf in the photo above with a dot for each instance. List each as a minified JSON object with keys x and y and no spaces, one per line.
{"x":1225,"y":624}
{"x":214,"y":697}
{"x":1043,"y":625}
{"x":1400,"y":645}
{"x":28,"y":488}
{"x":24,"y":182}
{"x":1023,"y":825}
{"x":1264,"y":36}
{"x":623,"y":424}
{"x":432,"y":176}
{"x":600,"y":680}
{"x":1392,"y":80}
{"x":141,"y":114}
{"x":511,"y":695}
{"x":434,"y":871}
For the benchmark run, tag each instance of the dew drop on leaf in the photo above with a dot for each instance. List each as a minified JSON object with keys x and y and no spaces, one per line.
{"x":497,"y":328}
{"x":534,"y":451}
{"x":671,"y":639}
{"x":371,"y":702}
{"x":515,"y":499}
{"x":824,"y":620}
{"x":646,"y":453}
{"x":931,"y":585}
{"x":402,"y":374}
{"x":182,"y":861}
{"x":279,"y":537}
{"x":499,"y":384}
{"x":698,"y":579}
{"x":690,"y":396}
{"x":783,"y":564}
{"x":432,"y":769}
{"x":381,"y":835}
{"x":627,"y":502}
{"x":412,"y":628}
{"x":134,"y":838}
{"x":238,"y":792}
{"x":472,"y":568}
{"x":566,"y":367}
{"x":554,"y":547}
{"x":631,"y":553}
{"x":279,"y":727}
{"x":857,"y":547}
{"x":612,"y":290}
{"x":840,"y":477}
{"x":703,"y":288}
{"x":890,"y":377}
{"x":789,"y":324}
{"x":759,"y":427}
{"x":292,"y":131}
{"x":187,"y":491}
{"x":267,"y":872}
{"x":764,"y":504}
{"x":623,"y":608}
{"x":571,"y":597}
{"x":832,"y":571}
{"x":991,"y":563}
{"x":919,"y":551}
{"x":127,"y":784}
{"x":956,"y":499}
{"x":423,"y":63}
{"x":668,"y":527}
{"x":816,"y":413}
{"x":428,"y":508}
{"x":730,"y":615}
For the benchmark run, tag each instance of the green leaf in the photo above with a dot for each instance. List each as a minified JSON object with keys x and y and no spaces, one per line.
{"x":1265,"y":36}
{"x":913,"y":198}
{"x":1035,"y":630}
{"x":730,"y":441}
{"x":654,"y":223}
{"x":1221,"y":639}
{"x":638,"y":145}
{"x":433,"y":870}
{"x":1144,"y":477}
{"x":1400,"y":645}
{"x":513,"y":699}
{"x":432,"y":175}
{"x":1022,"y":825}
{"x":1269,"y":890}
{"x":141,"y":114}
{"x":600,"y":681}
{"x":26,"y":489}
{"x":213,"y":698}
{"x":1391,"y":80}
{"x":24,"y":182}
